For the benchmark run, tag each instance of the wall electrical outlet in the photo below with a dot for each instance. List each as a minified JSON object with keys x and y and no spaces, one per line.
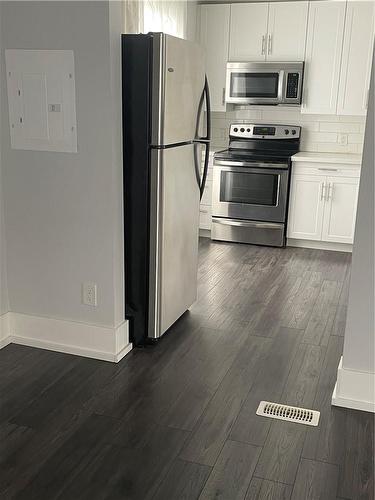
{"x":343,"y":139}
{"x":89,"y":294}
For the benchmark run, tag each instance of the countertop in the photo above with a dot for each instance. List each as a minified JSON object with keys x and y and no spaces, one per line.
{"x":338,"y":158}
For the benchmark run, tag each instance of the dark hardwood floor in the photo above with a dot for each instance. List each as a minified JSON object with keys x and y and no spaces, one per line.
{"x":177,"y":421}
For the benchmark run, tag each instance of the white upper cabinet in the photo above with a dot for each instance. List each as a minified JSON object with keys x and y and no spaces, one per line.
{"x":323,"y":57}
{"x":248,"y":32}
{"x":268,"y":31}
{"x":356,"y":58}
{"x":214,"y":37}
{"x":287,"y":24}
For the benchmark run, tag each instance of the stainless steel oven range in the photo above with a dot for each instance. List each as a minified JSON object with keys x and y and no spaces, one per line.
{"x":251,"y":184}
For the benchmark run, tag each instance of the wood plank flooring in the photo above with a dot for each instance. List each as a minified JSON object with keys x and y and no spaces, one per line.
{"x":177,"y":420}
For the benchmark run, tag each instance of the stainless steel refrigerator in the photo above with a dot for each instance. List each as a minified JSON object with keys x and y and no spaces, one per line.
{"x":164,"y":95}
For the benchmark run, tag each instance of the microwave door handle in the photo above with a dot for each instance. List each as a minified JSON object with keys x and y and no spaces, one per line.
{"x":282,"y":84}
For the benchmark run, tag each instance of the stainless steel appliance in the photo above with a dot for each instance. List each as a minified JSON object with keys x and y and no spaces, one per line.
{"x":264,"y":83}
{"x":251,"y":184}
{"x":164,"y":89}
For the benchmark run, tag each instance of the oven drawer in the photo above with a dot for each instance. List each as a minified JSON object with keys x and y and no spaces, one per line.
{"x":240,"y":231}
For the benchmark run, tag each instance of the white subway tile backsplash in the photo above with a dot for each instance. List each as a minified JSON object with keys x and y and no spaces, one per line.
{"x":319,"y":136}
{"x":319,"y":132}
{"x":339,"y":127}
{"x":355,"y":138}
{"x":323,"y":147}
{"x":350,"y":118}
{"x":249,"y":114}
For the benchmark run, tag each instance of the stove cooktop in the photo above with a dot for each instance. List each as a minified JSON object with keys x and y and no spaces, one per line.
{"x":252,"y":156}
{"x":266,"y":143}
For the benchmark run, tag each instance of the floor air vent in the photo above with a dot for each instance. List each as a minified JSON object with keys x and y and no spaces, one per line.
{"x":288,"y":413}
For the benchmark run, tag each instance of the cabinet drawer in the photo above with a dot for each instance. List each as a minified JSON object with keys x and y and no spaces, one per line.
{"x":326,"y":169}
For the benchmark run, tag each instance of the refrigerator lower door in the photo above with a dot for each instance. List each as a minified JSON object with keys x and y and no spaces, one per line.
{"x":174,"y":211}
{"x":177,"y":84}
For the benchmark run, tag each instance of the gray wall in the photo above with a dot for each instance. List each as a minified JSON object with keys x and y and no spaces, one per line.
{"x":63,"y":211}
{"x":4,"y":306}
{"x":359,"y":346}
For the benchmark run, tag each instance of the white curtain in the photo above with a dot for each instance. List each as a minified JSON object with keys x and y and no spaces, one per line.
{"x":142,"y":16}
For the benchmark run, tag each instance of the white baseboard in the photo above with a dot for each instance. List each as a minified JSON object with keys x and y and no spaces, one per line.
{"x":205,"y":233}
{"x":354,"y":390}
{"x":92,"y":341}
{"x":319,"y":245}
{"x":4,"y":330}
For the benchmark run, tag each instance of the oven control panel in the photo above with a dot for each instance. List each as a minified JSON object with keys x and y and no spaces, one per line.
{"x":261,"y":131}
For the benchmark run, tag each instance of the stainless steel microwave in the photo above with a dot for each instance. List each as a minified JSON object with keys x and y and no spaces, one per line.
{"x":264,"y":83}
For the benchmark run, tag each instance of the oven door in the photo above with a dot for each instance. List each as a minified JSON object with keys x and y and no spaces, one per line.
{"x":258,"y":192}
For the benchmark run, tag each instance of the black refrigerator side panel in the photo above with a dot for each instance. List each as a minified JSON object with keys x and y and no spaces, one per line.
{"x":136,"y":77}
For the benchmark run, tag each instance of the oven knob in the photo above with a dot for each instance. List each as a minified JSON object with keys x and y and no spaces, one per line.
{"x":286,"y":131}
{"x":235,"y":129}
{"x":242,"y":130}
{"x":248,"y":130}
{"x":293,"y":132}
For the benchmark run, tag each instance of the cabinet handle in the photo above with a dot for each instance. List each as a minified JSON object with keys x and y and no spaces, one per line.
{"x":223,"y":96}
{"x":269,"y":44}
{"x":263,"y":45}
{"x":304,"y":97}
{"x":330,"y":191}
{"x":329,"y":169}
{"x":322,"y":190}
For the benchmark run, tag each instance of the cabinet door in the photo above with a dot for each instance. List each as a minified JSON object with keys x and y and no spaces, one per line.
{"x":356,"y":58}
{"x":287,"y":25}
{"x":323,"y":56}
{"x":340,"y":209}
{"x":306,"y":207}
{"x":248,"y":32}
{"x":214,"y":37}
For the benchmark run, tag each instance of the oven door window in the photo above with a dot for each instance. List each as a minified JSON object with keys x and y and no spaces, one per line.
{"x":249,"y":188}
{"x":254,"y":85}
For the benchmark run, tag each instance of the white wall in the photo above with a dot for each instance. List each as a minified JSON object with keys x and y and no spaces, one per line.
{"x":63,"y":211}
{"x":359,"y":343}
{"x":191,"y":20}
{"x":356,"y":375}
{"x":4,"y":305}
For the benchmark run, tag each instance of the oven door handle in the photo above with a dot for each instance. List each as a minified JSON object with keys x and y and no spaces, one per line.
{"x":241,"y":223}
{"x":277,"y":166}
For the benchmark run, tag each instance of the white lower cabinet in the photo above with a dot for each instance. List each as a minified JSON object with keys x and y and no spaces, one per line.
{"x":323,"y":207}
{"x":306,"y":207}
{"x":340,"y":209}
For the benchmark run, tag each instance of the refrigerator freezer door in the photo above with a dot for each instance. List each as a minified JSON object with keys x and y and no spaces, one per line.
{"x":178,"y":83}
{"x":174,"y":236}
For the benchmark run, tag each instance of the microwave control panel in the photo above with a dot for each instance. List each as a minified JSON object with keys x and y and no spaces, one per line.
{"x":292,"y":85}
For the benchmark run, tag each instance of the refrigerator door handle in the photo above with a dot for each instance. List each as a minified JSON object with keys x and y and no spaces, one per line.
{"x":205,"y":168}
{"x":203,"y":140}
{"x":201,"y":180}
{"x":204,"y":97}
